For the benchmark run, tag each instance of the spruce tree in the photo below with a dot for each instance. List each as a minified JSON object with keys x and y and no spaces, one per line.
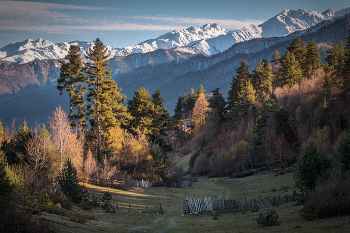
{"x":335,"y":57}
{"x":232,"y":94}
{"x":72,"y":81}
{"x":142,"y":110}
{"x":178,"y":119}
{"x":190,"y":102}
{"x":276,"y":58}
{"x":160,"y":115}
{"x":218,"y":104}
{"x":106,"y":102}
{"x":276,"y":61}
{"x":238,"y":83}
{"x":312,"y":58}
{"x":290,"y":72}
{"x":246,"y":98}
{"x":298,"y":48}
{"x":69,"y":182}
{"x":263,"y":78}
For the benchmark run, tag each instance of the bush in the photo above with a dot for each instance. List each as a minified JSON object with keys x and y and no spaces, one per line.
{"x":270,"y":219}
{"x":106,"y":203}
{"x":47,"y":199}
{"x":89,"y":203}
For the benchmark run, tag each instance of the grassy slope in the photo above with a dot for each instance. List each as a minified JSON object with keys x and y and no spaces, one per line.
{"x":261,"y":184}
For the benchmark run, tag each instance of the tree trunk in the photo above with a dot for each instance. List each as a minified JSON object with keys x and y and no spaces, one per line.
{"x":70,"y":109}
{"x":98,"y":136}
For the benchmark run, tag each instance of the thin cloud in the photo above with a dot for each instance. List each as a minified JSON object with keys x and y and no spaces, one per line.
{"x":71,"y":19}
{"x":23,"y":6}
{"x":226,"y":23}
{"x":66,"y":29}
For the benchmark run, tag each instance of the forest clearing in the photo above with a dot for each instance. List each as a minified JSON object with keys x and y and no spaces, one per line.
{"x":173,"y":220}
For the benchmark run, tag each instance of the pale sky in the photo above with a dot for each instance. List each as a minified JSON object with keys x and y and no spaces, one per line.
{"x":129,"y":22}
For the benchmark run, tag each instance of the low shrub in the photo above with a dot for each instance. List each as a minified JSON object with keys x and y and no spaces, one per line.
{"x":89,"y":202}
{"x":47,"y":199}
{"x":106,"y":203}
{"x":270,"y":219}
{"x":72,"y":215}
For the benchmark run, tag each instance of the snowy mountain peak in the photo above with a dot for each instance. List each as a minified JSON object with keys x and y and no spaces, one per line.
{"x":208,"y":39}
{"x":329,"y":13}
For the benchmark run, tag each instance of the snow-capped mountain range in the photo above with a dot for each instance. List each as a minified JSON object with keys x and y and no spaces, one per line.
{"x":208,"y":40}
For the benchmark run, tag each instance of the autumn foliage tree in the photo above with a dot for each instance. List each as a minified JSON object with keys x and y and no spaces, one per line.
{"x":199,"y":113}
{"x":65,"y":140}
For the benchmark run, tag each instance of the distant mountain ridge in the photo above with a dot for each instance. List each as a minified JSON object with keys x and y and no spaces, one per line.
{"x":208,"y":40}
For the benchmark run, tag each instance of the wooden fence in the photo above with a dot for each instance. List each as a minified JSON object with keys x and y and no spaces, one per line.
{"x":206,"y":204}
{"x":151,"y":184}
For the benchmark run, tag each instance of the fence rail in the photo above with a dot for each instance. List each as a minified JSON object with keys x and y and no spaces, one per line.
{"x":206,"y":204}
{"x":151,"y":184}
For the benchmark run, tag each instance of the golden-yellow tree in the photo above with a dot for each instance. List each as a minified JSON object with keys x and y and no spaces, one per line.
{"x":199,"y":114}
{"x":65,"y":140}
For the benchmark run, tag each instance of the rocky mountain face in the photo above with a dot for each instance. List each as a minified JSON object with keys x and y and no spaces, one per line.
{"x":27,"y":89}
{"x":35,"y":74}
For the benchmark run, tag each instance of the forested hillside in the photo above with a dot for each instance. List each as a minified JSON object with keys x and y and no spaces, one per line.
{"x":291,"y":110}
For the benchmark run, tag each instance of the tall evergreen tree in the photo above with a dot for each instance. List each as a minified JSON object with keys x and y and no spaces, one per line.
{"x":276,"y":58}
{"x":106,"y":102}
{"x":238,"y":83}
{"x":335,"y":57}
{"x":232,"y":94}
{"x":312,"y":58}
{"x":160,"y":115}
{"x":298,"y":48}
{"x":290,"y":72}
{"x":178,"y":120}
{"x":218,"y":104}
{"x":246,"y":98}
{"x":72,"y":80}
{"x":263,"y":78}
{"x":142,"y":110}
{"x":190,"y":102}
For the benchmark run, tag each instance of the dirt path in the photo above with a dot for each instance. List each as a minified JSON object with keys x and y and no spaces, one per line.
{"x":155,"y":223}
{"x":171,"y":224}
{"x":211,"y":183}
